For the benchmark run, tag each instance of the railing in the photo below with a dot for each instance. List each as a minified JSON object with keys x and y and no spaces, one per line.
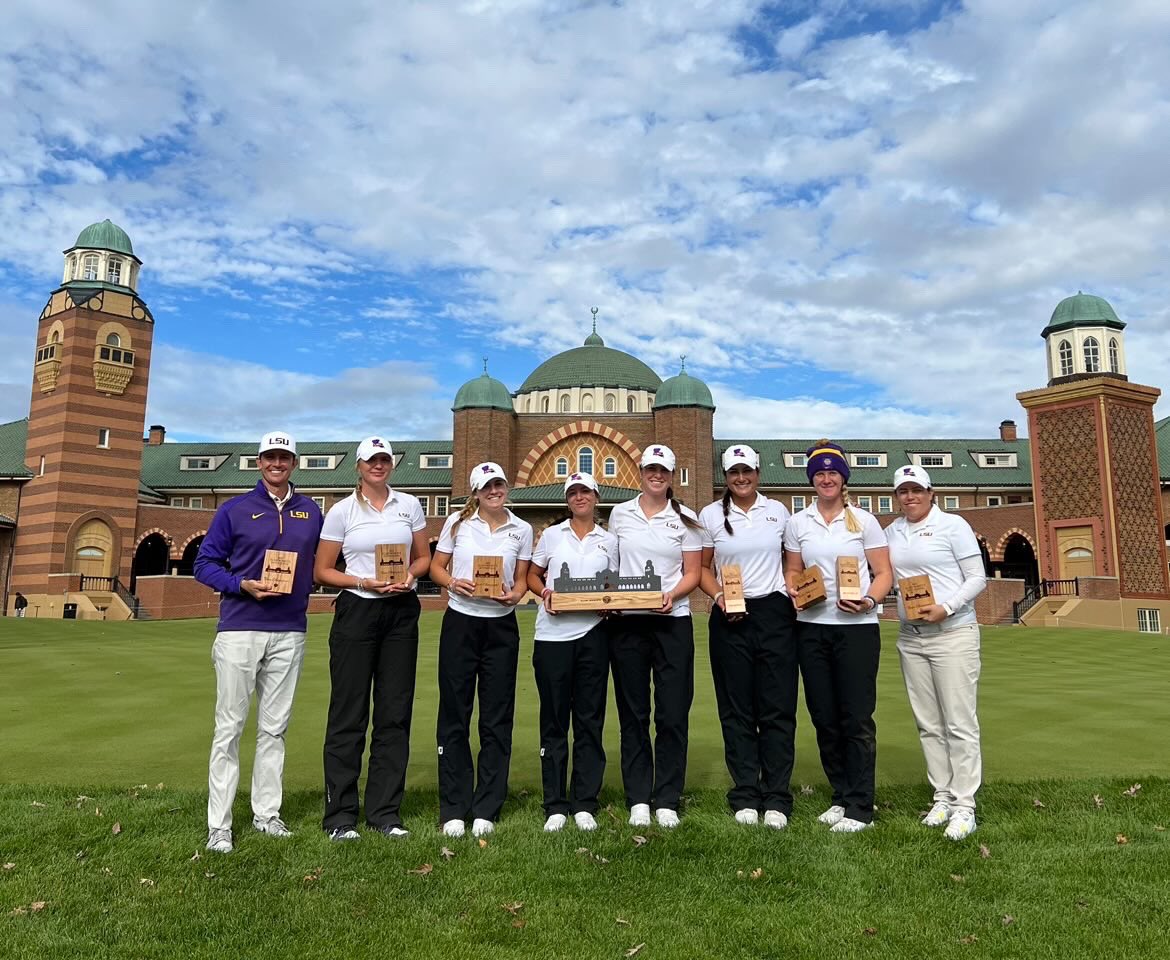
{"x":98,"y":584}
{"x":1032,"y":596}
{"x":115,"y":586}
{"x":1061,"y":588}
{"x":1045,"y":588}
{"x":128,"y":598}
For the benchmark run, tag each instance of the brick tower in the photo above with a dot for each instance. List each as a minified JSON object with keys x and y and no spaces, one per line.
{"x":77,"y":514}
{"x":683,"y":413}
{"x":1095,"y":459}
{"x":484,"y":429}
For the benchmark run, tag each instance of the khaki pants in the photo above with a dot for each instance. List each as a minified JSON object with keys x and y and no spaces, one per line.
{"x":269,"y":664}
{"x":941,"y":671}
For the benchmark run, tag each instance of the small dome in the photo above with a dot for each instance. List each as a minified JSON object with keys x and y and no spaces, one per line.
{"x":683,"y":391}
{"x":484,"y":392}
{"x":105,"y":236}
{"x":594,"y":340}
{"x":1082,"y":310}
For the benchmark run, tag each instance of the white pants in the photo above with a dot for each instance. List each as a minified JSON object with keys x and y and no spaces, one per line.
{"x":942,"y":678}
{"x":268,"y":663}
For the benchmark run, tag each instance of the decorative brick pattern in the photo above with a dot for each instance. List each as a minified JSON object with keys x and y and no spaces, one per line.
{"x":539,"y":465}
{"x":1068,"y":470}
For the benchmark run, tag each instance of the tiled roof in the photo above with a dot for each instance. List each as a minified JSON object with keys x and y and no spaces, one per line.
{"x":13,"y":440}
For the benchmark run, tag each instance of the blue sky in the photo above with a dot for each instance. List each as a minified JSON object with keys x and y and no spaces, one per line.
{"x":853,"y":218}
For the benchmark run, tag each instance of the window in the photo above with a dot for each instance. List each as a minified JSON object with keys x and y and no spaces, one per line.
{"x":950,"y":503}
{"x":89,"y":267}
{"x":610,"y":469}
{"x":866,"y":503}
{"x":565,"y":403}
{"x":885,"y":504}
{"x":585,"y":460}
{"x":42,"y":470}
{"x":104,"y":438}
{"x":114,"y":271}
{"x":319,"y":462}
{"x":178,"y":502}
{"x":544,"y":405}
{"x":684,"y":477}
{"x":1066,"y":363}
{"x":869,"y":459}
{"x":435,"y":461}
{"x":610,"y":403}
{"x":195,"y":463}
{"x":441,"y":506}
{"x":1114,"y":361}
{"x":114,"y":340}
{"x":115,"y":355}
{"x":795,"y":460}
{"x":562,"y":466}
{"x":998,"y":460}
{"x":1092,"y":355}
{"x":249,"y":463}
{"x":587,"y":403}
{"x":798,"y":503}
{"x":195,"y":503}
{"x":320,"y":501}
{"x":932,"y":459}
{"x":73,"y":268}
{"x":994,"y":501}
{"x":1149,"y":620}
{"x":425,"y":503}
{"x":47,"y":352}
{"x":629,"y":404}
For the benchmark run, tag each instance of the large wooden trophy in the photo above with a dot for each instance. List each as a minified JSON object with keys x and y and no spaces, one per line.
{"x":390,"y":563}
{"x":732,"y":577}
{"x":848,"y":579}
{"x":488,"y":574}
{"x":280,"y":567}
{"x":810,"y":588}
{"x":605,"y":590}
{"x":917,"y":594}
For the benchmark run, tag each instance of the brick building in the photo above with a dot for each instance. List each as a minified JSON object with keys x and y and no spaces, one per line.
{"x":118,"y":537}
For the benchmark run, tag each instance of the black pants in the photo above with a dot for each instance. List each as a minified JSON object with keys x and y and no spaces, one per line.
{"x":754,"y":664}
{"x":645,"y":646}
{"x":373,"y":643}
{"x":572,"y":677}
{"x":839,"y":665}
{"x":473,"y":650}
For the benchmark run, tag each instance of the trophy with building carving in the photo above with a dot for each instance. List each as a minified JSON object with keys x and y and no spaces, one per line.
{"x":280,"y":566}
{"x":810,"y":588}
{"x":488,"y":574}
{"x":732,"y":578}
{"x":605,"y":590}
{"x":917,"y":594}
{"x":390,"y":561}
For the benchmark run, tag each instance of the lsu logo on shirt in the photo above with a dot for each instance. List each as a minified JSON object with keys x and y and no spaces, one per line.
{"x":514,"y":536}
{"x":403,"y":515}
{"x":672,"y":525}
{"x":299,"y":514}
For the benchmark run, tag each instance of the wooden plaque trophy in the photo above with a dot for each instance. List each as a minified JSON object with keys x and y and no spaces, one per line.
{"x":280,"y":566}
{"x":848,"y":579}
{"x":733,"y":601}
{"x":810,"y":588}
{"x":390,"y":560}
{"x":605,"y":590}
{"x":488,"y":574}
{"x":917,"y":593}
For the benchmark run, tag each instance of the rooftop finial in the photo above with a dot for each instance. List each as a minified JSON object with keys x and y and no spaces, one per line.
{"x":682,"y":363}
{"x":485,"y":373}
{"x":594,"y":312}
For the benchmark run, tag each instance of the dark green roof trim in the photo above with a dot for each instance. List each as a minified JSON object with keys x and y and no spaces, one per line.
{"x":13,"y":441}
{"x":1071,"y":324}
{"x":1082,"y":310}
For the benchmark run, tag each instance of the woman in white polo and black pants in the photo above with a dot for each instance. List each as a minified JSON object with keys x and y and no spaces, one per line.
{"x":839,"y":641}
{"x":753,"y":654}
{"x":940,"y":652}
{"x":571,"y":659}
{"x":373,"y":644}
{"x":655,"y":528}
{"x":479,"y":645}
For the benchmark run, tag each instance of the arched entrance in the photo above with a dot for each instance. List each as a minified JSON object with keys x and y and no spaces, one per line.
{"x":93,"y":549}
{"x":150,"y":559}
{"x":186,"y":566}
{"x":1019,"y":560}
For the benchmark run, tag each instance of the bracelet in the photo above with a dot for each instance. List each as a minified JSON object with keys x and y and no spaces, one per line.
{"x":872,"y":602}
{"x":545,"y":593}
{"x":361,"y":583}
{"x":715,"y":599}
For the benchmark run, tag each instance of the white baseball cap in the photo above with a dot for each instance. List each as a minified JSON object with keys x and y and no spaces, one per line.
{"x":580,"y":480}
{"x":659,"y":454}
{"x":911,"y":474}
{"x":740,"y":453}
{"x":484,"y":473}
{"x":374,"y":445}
{"x":277,"y":440}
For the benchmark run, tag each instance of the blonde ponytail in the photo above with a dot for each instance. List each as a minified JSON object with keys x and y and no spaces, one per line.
{"x":852,"y":524}
{"x":466,"y":511}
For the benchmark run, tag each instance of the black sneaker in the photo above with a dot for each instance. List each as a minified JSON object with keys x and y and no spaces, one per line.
{"x":395,"y":831}
{"x":344,"y":833}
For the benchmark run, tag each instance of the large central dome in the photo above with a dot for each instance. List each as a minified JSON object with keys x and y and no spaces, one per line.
{"x":592,"y":365}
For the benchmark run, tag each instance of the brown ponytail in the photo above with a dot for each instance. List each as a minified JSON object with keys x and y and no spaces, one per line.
{"x":726,"y":512}
{"x":687,"y":521}
{"x":467,"y":510}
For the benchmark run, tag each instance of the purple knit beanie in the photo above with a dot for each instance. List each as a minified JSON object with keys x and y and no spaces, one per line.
{"x":824,"y":455}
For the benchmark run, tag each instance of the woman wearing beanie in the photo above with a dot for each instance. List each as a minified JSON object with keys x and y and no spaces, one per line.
{"x":571,"y":660}
{"x":940,"y":650}
{"x":655,"y":645}
{"x":839,"y":640}
{"x":373,"y":645}
{"x":479,"y":646}
{"x":753,"y":654}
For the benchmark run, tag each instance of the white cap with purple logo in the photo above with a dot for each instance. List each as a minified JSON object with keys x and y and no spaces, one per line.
{"x":656,"y":453}
{"x":911,"y":474}
{"x":485,"y":473}
{"x":372,"y":446}
{"x":580,"y":480}
{"x":740,"y":453}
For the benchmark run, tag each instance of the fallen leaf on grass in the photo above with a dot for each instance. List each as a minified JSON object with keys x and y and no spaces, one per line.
{"x":314,"y":876}
{"x":757,"y":873}
{"x":10,"y":866}
{"x":1122,"y":839}
{"x":958,"y":878}
{"x":36,"y":803}
{"x":1082,"y":904}
{"x":621,"y":921}
{"x":586,"y":852}
{"x":447,"y":854}
{"x":116,"y":829}
{"x":17,"y":912}
{"x":639,"y":841}
{"x":518,"y":923}
{"x":107,"y":871}
{"x":421,"y":871}
{"x":145,"y":882}
{"x":209,"y":875}
{"x":1097,"y":801}
{"x":482,"y":843}
{"x":513,"y":908}
{"x":97,"y":811}
{"x":806,"y":790}
{"x":1037,"y":803}
{"x":610,"y":812}
{"x":969,"y":939}
{"x":870,"y":931}
{"x":196,"y":856}
{"x":739,"y":874}
{"x":1159,"y":827}
{"x":984,"y":851}
{"x":1132,"y":791}
{"x":635,"y":950}
{"x":82,"y":799}
{"x":1007,"y":920}
{"x":80,"y":855}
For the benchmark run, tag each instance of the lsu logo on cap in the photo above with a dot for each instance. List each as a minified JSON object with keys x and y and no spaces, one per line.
{"x":907,"y":471}
{"x":575,"y":476}
{"x":657,"y":452}
{"x":738,"y":452}
{"x":827,"y":462}
{"x":377,"y":443}
{"x":485,"y":469}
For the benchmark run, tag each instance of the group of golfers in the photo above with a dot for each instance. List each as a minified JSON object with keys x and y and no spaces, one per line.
{"x":761,"y":646}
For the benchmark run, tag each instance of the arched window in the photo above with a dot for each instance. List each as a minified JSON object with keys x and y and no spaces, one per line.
{"x":1114,"y":360}
{"x":610,"y":403}
{"x":1092,"y":355}
{"x":528,"y":405}
{"x":610,"y":469}
{"x":55,"y":336}
{"x":1066,"y":364}
{"x":585,"y":460}
{"x":73,"y":268}
{"x":114,"y":340}
{"x":89,"y":267}
{"x":565,"y":403}
{"x":587,"y":403}
{"x":629,"y":404}
{"x":562,"y":467}
{"x":544,"y":405}
{"x":114,"y":271}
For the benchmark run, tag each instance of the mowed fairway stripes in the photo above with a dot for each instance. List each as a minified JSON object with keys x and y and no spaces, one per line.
{"x":85,"y":703}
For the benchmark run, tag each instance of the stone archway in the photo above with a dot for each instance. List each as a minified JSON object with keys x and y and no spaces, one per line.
{"x":93,"y":549}
{"x":614,"y":440}
{"x":186,"y":564}
{"x":1019,"y":559}
{"x":150,"y":558}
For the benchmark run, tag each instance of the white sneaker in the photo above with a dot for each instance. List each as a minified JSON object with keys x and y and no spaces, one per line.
{"x":220,"y":841}
{"x":835,"y":814}
{"x":849,"y":825}
{"x":775,"y":819}
{"x":273,"y":826}
{"x":453,"y":828}
{"x":939,"y":814}
{"x":666,"y":818}
{"x":585,"y":821}
{"x":747,"y":817}
{"x":640,"y":815}
{"x":962,"y":824}
{"x":555,"y":823}
{"x":342,"y":834}
{"x":481,"y":827}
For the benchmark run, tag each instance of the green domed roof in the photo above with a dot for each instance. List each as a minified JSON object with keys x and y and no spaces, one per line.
{"x":483,"y":392}
{"x":1082,"y":310}
{"x":592,"y":365}
{"x":105,"y":236}
{"x":683,"y":391}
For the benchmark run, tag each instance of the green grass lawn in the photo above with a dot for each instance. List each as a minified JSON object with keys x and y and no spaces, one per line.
{"x":108,"y":725}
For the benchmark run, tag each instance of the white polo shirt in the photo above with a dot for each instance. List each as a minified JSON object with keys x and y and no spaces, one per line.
{"x":822,"y":543}
{"x":661,"y":539}
{"x":512,"y":540}
{"x":755,"y":545}
{"x":359,"y":526}
{"x":559,"y":545}
{"x":933,"y":547}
